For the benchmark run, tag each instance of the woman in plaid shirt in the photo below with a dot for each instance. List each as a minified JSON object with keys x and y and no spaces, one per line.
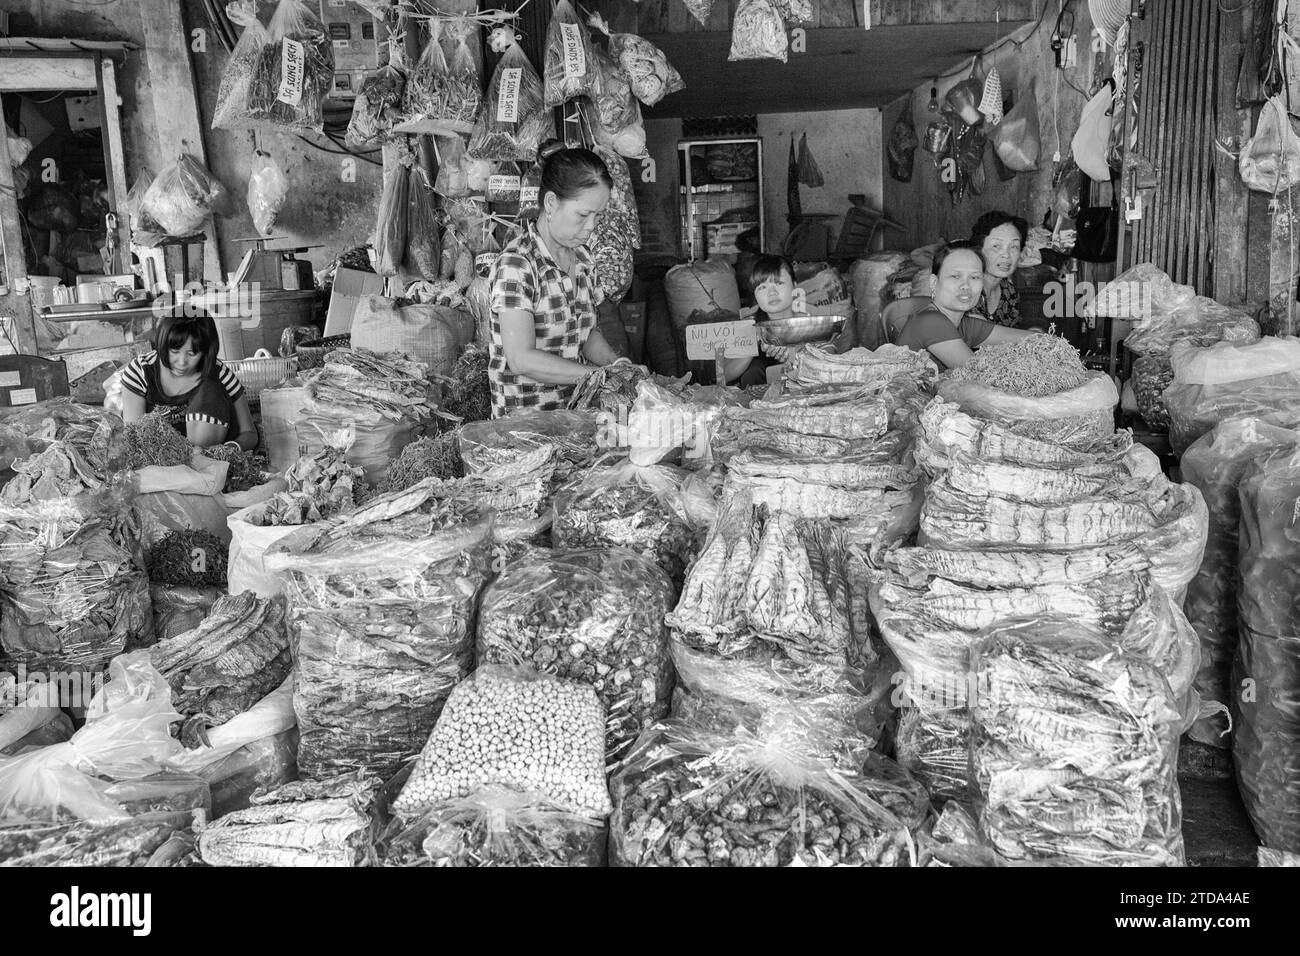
{"x":544,"y":292}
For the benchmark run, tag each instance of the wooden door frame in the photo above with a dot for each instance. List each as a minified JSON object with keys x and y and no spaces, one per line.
{"x":54,"y":71}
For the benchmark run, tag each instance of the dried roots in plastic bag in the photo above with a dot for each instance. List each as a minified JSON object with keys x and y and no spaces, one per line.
{"x":570,"y":67}
{"x":293,"y":73}
{"x":441,"y":91}
{"x":514,"y":120}
{"x":758,"y":33}
{"x":232,"y":95}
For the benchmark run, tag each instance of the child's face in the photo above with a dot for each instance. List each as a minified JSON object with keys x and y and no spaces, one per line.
{"x":185,"y":360}
{"x":775,"y":294}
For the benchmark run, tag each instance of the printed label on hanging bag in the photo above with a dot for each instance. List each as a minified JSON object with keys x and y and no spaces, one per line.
{"x":293,"y":62}
{"x":508,"y":101}
{"x":575,"y":60}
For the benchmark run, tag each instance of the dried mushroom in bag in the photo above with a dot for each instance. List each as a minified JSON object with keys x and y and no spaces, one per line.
{"x":514,"y":120}
{"x":570,"y":67}
{"x":758,"y":33}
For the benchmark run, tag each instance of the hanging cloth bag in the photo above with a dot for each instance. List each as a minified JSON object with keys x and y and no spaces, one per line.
{"x":1097,"y":227}
{"x":1270,"y":160}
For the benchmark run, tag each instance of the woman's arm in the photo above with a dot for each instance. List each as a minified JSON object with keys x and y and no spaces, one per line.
{"x":205,"y":434}
{"x":132,"y":406}
{"x":247,"y":437}
{"x":598,"y":350}
{"x":953,"y":353}
{"x":519,"y":343}
{"x":1001,"y":335}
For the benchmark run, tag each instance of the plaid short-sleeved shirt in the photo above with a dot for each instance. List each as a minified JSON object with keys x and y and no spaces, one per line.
{"x":526,"y":277}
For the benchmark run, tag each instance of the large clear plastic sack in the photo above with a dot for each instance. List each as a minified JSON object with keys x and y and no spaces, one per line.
{"x":1260,"y":380}
{"x":375,"y":110}
{"x":1074,"y":748}
{"x":267,"y":191}
{"x":514,"y":120}
{"x":232,"y":94}
{"x":126,"y":735}
{"x":505,"y":442}
{"x":179,"y":609}
{"x":1079,"y":415}
{"x":758,"y":32}
{"x":442,"y":92}
{"x":646,"y":67}
{"x":394,"y":220}
{"x":183,"y":196}
{"x":1266,"y":669}
{"x":453,"y":168}
{"x":423,"y":242}
{"x":571,"y":69}
{"x":676,"y":425}
{"x":688,"y":796}
{"x":1216,"y":463}
{"x":616,"y":124}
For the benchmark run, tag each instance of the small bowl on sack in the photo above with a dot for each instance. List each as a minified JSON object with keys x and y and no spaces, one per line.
{"x":800,"y":329}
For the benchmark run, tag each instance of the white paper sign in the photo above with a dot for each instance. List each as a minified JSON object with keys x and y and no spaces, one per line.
{"x":528,"y":195}
{"x":10,"y":379}
{"x":502,"y":188}
{"x":293,"y":62}
{"x":575,"y":60}
{"x":508,"y":102}
{"x":22,"y":396}
{"x":738,"y":340}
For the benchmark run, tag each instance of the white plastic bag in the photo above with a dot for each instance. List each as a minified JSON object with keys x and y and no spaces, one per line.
{"x":267,"y":189}
{"x":1270,"y":160}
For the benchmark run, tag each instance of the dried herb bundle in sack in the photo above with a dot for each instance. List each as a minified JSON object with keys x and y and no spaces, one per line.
{"x":423,"y":242}
{"x":570,"y":67}
{"x":191,"y":558}
{"x":514,"y":120}
{"x":153,"y":440}
{"x":232,"y":95}
{"x":293,"y":75}
{"x":375,"y":110}
{"x":440,"y":91}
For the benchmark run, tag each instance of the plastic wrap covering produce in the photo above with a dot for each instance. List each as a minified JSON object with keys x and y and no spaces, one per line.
{"x":170,"y":796}
{"x":261,"y":765}
{"x":570,"y":68}
{"x":381,"y":611}
{"x":177,"y":610}
{"x":238,"y":655}
{"x":1075,"y":748}
{"x":60,"y":472}
{"x":127,"y":843}
{"x":376,"y":107}
{"x":183,"y":196}
{"x":614,"y":114}
{"x":514,"y":120}
{"x":517,"y":728}
{"x":304,"y":823}
{"x":443,"y":92}
{"x":1036,"y":387}
{"x":393,"y":222}
{"x":594,"y":615}
{"x":267,"y":190}
{"x":1225,"y":381}
{"x":812,"y":366}
{"x":503,"y":442}
{"x":1152,"y":374}
{"x":423,"y":245}
{"x":283,"y":75}
{"x":648,"y":71}
{"x":611,"y":388}
{"x":1164,"y":312}
{"x":71,"y":595}
{"x":653,"y":511}
{"x":671,"y":422}
{"x":1216,"y":464}
{"x":96,"y":433}
{"x":496,"y":826}
{"x":1266,"y":669}
{"x":758,"y":32}
{"x":692,"y":797}
{"x":125,"y":736}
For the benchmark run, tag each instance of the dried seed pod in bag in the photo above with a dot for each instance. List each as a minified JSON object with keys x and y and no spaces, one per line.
{"x":570,"y":67}
{"x":758,"y":33}
{"x":514,"y":120}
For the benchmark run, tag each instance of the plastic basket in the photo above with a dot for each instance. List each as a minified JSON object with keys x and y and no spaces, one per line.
{"x":263,"y":370}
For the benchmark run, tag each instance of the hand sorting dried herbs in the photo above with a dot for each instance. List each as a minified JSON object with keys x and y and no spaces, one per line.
{"x":190,"y":557}
{"x":594,"y":615}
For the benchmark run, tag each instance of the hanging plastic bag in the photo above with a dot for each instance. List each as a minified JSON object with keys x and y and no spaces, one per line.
{"x":1270,"y":161}
{"x":427,"y":87}
{"x":375,"y":109}
{"x":453,"y":176}
{"x":293,"y":74}
{"x":390,"y":232}
{"x":232,"y":95}
{"x":570,"y":67}
{"x":1016,"y":139}
{"x":758,"y":33}
{"x":514,"y":120}
{"x":809,"y":173}
{"x":901,"y":151}
{"x":701,"y":10}
{"x":134,"y":204}
{"x":1090,"y":141}
{"x":464,"y":87}
{"x":267,"y":189}
{"x":795,"y":11}
{"x":618,"y":125}
{"x":182,"y":197}
{"x":646,"y":68}
{"x":423,"y":247}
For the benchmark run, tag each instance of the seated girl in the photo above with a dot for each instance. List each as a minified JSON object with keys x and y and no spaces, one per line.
{"x":204,"y":400}
{"x":948,"y":329}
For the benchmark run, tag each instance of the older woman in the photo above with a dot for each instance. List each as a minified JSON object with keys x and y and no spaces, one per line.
{"x":999,"y":237}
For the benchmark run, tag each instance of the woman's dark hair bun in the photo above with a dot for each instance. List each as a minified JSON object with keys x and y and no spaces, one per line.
{"x":549,"y":148}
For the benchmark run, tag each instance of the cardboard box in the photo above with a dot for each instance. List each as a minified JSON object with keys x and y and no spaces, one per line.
{"x":350,"y":285}
{"x":633,"y":316}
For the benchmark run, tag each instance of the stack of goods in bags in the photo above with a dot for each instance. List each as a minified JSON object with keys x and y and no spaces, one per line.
{"x":1216,"y":463}
{"x":813,"y":366}
{"x":94,"y":433}
{"x":381,"y":610}
{"x":671,"y":421}
{"x":1164,"y":313}
{"x":1075,"y":748}
{"x":385,"y":398}
{"x":513,"y":729}
{"x":1211,"y":385}
{"x":128,"y":843}
{"x":504,"y":442}
{"x":653,"y":510}
{"x":1014,"y":526}
{"x":1266,"y":723}
{"x":690,"y":796}
{"x":303,"y":823}
{"x":238,"y":655}
{"x":594,"y":615}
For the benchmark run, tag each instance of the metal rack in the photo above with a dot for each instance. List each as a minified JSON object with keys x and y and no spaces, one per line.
{"x":692,"y":223}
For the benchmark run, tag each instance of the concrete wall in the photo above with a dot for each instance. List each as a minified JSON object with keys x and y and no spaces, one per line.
{"x":322,"y":209}
{"x":657,"y":202}
{"x":925,"y":206}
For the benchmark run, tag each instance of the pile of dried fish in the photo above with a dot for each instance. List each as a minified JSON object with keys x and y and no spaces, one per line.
{"x":153,"y":440}
{"x":238,"y":655}
{"x":304,"y":823}
{"x":687,"y":797}
{"x":381,"y":609}
{"x":130,"y":843}
{"x":391,"y":385}
{"x":594,"y":615}
{"x":504,"y":442}
{"x":1075,"y":749}
{"x":60,"y":471}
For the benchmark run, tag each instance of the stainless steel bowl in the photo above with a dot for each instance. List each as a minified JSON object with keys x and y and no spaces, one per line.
{"x":800,"y":328}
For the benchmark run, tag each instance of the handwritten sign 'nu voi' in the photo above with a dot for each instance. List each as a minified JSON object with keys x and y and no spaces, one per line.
{"x":737,"y":340}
